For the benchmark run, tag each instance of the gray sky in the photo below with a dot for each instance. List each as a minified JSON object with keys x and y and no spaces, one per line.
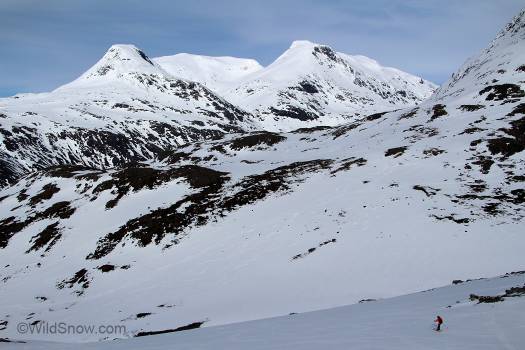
{"x":44,"y":44}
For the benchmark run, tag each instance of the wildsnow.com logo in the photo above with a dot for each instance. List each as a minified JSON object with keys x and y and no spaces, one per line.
{"x":44,"y":327}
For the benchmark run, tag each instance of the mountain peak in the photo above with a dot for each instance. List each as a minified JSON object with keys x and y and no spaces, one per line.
{"x":302,"y":44}
{"x":516,"y":24}
{"x":119,"y":60}
{"x":304,"y":51}
{"x":124,"y":52}
{"x":123,"y":58}
{"x":310,"y":47}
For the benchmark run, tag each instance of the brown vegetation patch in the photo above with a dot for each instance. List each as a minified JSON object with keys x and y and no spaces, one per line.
{"x":519,"y":109}
{"x":433,"y":152}
{"x":311,"y":130}
{"x":485,"y":163}
{"x":395,"y":151}
{"x":375,"y":116}
{"x":10,"y":226}
{"x":502,"y":92}
{"x":69,"y":171}
{"x":486,"y":299}
{"x":49,"y":236}
{"x":81,"y":279}
{"x":349,"y":163}
{"x":438,"y":111}
{"x":106,"y":268}
{"x":410,"y":114}
{"x":258,"y":140}
{"x":427,"y":190}
{"x":452,"y":218}
{"x":507,"y":146}
{"x":470,"y":108}
{"x":342,"y":130}
{"x":46,"y":193}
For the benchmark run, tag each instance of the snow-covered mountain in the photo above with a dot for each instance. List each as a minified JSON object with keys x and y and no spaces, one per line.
{"x":493,"y":321}
{"x":262,"y":224}
{"x":128,"y":107}
{"x":125,"y":108}
{"x":311,"y":85}
{"x":485,"y":75}
{"x":121,"y":62}
{"x":216,"y":73}
{"x":308,"y":85}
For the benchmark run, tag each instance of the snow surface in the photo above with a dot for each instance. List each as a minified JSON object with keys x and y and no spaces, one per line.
{"x":393,"y":203}
{"x":399,"y":323}
{"x":216,"y":73}
{"x":391,"y":238}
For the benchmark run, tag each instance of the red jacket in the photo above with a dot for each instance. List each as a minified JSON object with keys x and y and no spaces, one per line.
{"x":439,"y":320}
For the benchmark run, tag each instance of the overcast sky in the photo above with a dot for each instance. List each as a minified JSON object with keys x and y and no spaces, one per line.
{"x":44,"y":44}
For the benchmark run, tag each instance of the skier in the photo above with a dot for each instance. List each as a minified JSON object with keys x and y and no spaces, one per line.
{"x":439,"y":321}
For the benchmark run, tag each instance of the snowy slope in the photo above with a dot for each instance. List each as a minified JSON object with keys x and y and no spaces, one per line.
{"x":399,"y":323}
{"x":261,"y":224}
{"x":216,"y":73}
{"x":311,"y":84}
{"x":501,"y":62}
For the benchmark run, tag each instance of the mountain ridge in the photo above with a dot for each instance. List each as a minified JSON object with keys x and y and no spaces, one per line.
{"x":214,"y":72}
{"x":128,"y":108}
{"x":311,"y":85}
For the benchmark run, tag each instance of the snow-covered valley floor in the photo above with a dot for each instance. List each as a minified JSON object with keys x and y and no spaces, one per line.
{"x":403,"y":322}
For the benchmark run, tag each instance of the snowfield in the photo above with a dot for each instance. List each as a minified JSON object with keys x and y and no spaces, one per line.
{"x":398,"y":323}
{"x":157,"y":228}
{"x":216,"y":73}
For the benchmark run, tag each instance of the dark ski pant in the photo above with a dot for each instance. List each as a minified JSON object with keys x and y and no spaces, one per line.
{"x":438,"y":327}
